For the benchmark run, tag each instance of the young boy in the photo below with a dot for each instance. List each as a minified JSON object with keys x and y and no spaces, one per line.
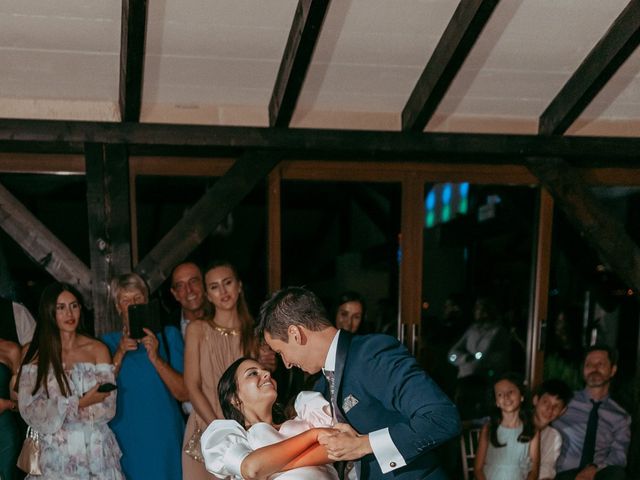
{"x":550,"y":400}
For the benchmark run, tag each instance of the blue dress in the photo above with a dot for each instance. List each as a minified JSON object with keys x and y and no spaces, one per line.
{"x":511,"y":462}
{"x":9,"y":441}
{"x":148,"y":422}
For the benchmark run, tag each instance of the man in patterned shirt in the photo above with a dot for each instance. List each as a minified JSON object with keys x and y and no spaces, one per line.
{"x":595,"y":430}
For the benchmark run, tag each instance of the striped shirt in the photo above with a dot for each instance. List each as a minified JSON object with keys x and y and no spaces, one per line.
{"x":612,"y":436}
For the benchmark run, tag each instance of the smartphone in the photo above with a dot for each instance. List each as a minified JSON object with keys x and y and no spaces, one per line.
{"x":106,"y":387}
{"x":144,"y":315}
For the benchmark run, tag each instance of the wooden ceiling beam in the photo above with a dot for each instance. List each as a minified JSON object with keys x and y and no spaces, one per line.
{"x":427,"y":147}
{"x":593,"y":220}
{"x":201,"y":219}
{"x":594,"y":72}
{"x":132,"y":49}
{"x":303,"y":37}
{"x":456,"y":42}
{"x":43,"y":246}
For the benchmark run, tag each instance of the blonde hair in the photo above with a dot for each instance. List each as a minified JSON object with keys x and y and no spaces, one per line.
{"x":126,"y":283}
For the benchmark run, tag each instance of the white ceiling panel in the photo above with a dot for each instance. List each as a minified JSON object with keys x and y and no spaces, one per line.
{"x":57,"y":51}
{"x":216,"y":53}
{"x":216,"y":61}
{"x":371,"y":54}
{"x":620,"y":98}
{"x":528,"y":51}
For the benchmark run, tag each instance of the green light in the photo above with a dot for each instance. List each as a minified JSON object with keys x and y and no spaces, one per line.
{"x":431,"y":219}
{"x":446,"y":213}
{"x":464,"y":206}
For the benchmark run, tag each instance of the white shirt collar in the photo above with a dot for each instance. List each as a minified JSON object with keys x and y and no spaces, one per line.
{"x":183,"y":323}
{"x":330,"y":361}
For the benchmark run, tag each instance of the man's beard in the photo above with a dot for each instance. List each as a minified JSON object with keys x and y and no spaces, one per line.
{"x":597,"y":380}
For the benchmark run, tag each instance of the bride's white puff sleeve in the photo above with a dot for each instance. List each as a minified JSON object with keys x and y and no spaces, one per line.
{"x":224,"y":446}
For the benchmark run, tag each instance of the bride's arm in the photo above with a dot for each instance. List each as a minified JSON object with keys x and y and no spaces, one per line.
{"x":299,"y":451}
{"x":311,"y":457}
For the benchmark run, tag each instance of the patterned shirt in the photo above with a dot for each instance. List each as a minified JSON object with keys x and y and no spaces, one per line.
{"x":612,"y":436}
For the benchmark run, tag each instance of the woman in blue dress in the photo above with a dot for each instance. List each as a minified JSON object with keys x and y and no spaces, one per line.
{"x":148,"y":422}
{"x":9,"y":441}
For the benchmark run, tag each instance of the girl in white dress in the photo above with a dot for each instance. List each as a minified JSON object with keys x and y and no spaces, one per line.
{"x":249,"y":444}
{"x":58,"y":393}
{"x":509,"y":446}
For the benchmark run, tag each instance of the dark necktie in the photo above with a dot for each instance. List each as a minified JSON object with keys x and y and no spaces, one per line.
{"x":335,"y":414}
{"x":331,"y":380}
{"x":589,"y":446}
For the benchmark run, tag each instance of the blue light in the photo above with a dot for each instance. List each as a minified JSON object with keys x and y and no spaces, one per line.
{"x":463,"y":188}
{"x":430,"y":203}
{"x":446,"y":193}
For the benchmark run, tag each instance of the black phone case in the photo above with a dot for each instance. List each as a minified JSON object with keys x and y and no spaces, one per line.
{"x":144,"y":315}
{"x":106,"y":387}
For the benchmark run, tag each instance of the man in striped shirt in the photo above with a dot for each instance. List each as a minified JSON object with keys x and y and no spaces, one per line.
{"x":595,"y":429}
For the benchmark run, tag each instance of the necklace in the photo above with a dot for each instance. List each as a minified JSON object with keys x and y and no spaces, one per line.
{"x":225,"y":330}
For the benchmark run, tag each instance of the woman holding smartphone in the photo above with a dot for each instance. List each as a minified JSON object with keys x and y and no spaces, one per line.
{"x":148,"y":421}
{"x":58,"y":395}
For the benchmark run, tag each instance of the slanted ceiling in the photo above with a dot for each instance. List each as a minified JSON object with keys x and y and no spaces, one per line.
{"x":215,"y":62}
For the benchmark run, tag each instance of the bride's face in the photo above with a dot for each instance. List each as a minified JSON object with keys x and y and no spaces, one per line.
{"x":255,"y":385}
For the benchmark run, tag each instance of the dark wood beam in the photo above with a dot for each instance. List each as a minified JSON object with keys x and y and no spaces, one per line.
{"x":456,"y":42}
{"x":274,"y":230}
{"x":132,"y":46}
{"x":595,"y":223}
{"x":42,"y":246}
{"x":107,"y":175}
{"x":70,"y":136}
{"x":205,"y":215}
{"x":601,"y":64}
{"x":303,"y":37}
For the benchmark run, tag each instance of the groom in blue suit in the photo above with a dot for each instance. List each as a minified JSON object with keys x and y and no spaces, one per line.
{"x":390,"y":414}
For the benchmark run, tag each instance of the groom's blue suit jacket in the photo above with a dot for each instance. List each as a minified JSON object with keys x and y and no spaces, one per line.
{"x":392,"y":391}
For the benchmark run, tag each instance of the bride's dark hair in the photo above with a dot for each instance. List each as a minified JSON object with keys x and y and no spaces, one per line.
{"x":228,"y":395}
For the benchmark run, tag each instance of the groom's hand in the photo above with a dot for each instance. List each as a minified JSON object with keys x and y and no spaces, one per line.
{"x":346,"y":444}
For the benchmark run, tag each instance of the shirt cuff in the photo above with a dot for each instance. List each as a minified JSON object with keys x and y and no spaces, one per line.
{"x":385,"y":451}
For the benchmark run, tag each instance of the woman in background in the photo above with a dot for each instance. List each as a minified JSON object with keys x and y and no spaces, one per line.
{"x":9,"y":436}
{"x":351,"y":312}
{"x":148,"y":421}
{"x":58,"y":393}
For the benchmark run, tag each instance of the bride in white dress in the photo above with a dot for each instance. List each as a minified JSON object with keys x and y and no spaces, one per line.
{"x":249,"y":445}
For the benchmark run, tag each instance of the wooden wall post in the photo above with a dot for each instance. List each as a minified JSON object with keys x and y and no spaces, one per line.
{"x":107,"y":171}
{"x":411,"y":245}
{"x":274,"y":231}
{"x":538,"y":306}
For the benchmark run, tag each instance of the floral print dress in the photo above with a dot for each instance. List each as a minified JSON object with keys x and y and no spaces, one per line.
{"x":75,"y":443}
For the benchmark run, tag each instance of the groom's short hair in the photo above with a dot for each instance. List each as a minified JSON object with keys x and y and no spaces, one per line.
{"x":291,"y":306}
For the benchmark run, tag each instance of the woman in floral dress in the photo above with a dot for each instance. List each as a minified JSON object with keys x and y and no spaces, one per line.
{"x":58,"y":393}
